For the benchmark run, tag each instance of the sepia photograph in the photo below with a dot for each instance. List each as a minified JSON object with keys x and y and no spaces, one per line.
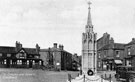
{"x":67,"y":41}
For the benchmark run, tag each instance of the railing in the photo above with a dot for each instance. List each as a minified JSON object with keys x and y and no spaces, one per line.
{"x":104,"y":77}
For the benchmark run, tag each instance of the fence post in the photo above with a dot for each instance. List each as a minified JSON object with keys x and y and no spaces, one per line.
{"x":101,"y":78}
{"x":110,"y":77}
{"x":105,"y":76}
{"x":84,"y":78}
{"x":69,"y":77}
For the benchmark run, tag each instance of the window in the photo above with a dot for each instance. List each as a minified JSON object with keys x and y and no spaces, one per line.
{"x":33,"y":62}
{"x":99,"y":64}
{"x":5,"y":61}
{"x":10,"y":61}
{"x":117,"y":53}
{"x":105,"y":53}
{"x":27,"y":62}
{"x":99,"y":55}
{"x":39,"y":62}
{"x":36,"y":56}
{"x":0,"y":54}
{"x":19,"y":62}
{"x":8,"y":55}
{"x":129,"y":51}
{"x":128,"y":62}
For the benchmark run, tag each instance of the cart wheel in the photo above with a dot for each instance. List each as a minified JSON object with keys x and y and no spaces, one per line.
{"x":131,"y":79}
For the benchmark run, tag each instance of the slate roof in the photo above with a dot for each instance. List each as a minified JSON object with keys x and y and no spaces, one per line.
{"x":132,"y":42}
{"x":7,"y":49}
{"x":53,"y":49}
{"x":30,"y":50}
{"x":118,"y":46}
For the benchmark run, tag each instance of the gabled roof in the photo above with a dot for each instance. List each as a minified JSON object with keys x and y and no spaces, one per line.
{"x":6,"y":49}
{"x":10,"y":50}
{"x":54,"y":49}
{"x":119,"y":46}
{"x":132,"y":42}
{"x":31,"y":51}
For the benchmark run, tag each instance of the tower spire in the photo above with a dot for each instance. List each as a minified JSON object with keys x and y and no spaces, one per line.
{"x":89,"y":21}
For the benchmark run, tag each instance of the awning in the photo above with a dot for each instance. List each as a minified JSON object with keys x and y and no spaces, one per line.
{"x":118,"y":61}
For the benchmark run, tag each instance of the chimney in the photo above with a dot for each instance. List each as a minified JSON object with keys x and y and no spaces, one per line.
{"x":133,"y":39}
{"x":55,"y":45}
{"x":18,"y":46}
{"x":37,"y":48}
{"x":61,"y":47}
{"x":111,"y":41}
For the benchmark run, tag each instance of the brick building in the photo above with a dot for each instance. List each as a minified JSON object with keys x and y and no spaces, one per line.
{"x":109,"y":53}
{"x":19,"y":57}
{"x":76,"y":62}
{"x":57,"y":57}
{"x":130,"y":53}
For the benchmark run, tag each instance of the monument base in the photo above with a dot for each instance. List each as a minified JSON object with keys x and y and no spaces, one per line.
{"x":87,"y":78}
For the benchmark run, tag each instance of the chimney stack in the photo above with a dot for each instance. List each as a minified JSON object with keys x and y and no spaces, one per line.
{"x":133,"y":39}
{"x":55,"y":45}
{"x":18,"y":46}
{"x":37,"y":48}
{"x":61,"y":47}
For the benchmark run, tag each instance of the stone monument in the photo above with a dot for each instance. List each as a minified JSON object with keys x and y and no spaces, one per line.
{"x":89,"y":54}
{"x":89,"y":46}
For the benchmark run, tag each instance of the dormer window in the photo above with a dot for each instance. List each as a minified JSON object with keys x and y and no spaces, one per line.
{"x":37,"y":57}
{"x":21,"y":54}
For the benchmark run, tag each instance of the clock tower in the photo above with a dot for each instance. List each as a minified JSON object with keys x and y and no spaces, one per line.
{"x":89,"y":44}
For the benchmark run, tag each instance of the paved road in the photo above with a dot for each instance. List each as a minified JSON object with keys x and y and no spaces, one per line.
{"x":30,"y":75}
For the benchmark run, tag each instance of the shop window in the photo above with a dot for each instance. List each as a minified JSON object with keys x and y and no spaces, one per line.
{"x":39,"y":62}
{"x":19,"y":62}
{"x":11,"y":62}
{"x":37,"y":57}
{"x":129,"y":62}
{"x":33,"y":62}
{"x":27,"y":62}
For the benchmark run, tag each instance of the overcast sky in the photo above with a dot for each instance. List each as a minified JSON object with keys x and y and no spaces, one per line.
{"x":63,"y":21}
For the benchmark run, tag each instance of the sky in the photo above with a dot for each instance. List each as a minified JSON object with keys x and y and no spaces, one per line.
{"x":63,"y":21}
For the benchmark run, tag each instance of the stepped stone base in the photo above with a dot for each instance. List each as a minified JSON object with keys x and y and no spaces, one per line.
{"x":86,"y":78}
